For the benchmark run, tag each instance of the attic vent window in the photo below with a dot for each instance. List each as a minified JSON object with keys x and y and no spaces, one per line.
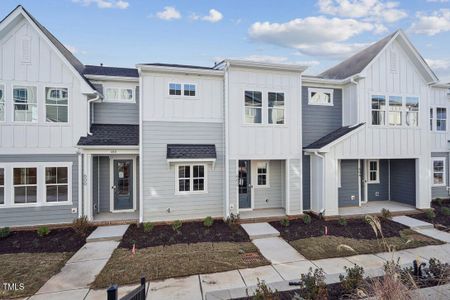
{"x":393,"y":59}
{"x":26,"y":50}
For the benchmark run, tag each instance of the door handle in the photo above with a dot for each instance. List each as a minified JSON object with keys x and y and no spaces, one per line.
{"x":113,"y":187}
{"x":250,"y":185}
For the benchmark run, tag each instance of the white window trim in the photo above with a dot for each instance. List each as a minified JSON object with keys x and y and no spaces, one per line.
{"x":60,"y":105}
{"x":69,"y":178}
{"x":320,"y":90}
{"x":377,"y":172}
{"x":3,"y":86}
{"x":386,"y":111}
{"x":269,"y":108}
{"x":267,"y":185}
{"x":435,"y":119}
{"x":24,"y":85}
{"x":191,"y":179}
{"x":264,"y":108}
{"x":40,"y":184}
{"x":444,"y":171}
{"x":182,"y":96}
{"x":120,"y":88}
{"x":263,"y":100}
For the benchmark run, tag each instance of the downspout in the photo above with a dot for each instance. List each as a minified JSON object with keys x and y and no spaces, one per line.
{"x":316,"y":153}
{"x":97,"y":97}
{"x":141,"y":150}
{"x":80,"y":184}
{"x":227,"y":163}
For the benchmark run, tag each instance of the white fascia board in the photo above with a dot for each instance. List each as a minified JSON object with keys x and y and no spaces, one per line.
{"x":177,"y":70}
{"x":101,"y":78}
{"x":265,"y":65}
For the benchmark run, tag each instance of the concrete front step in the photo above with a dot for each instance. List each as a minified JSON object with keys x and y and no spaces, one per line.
{"x":260,"y":230}
{"x":412,"y":223}
{"x":107,"y":233}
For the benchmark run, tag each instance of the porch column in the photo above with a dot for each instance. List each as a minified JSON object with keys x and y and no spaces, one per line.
{"x":233,"y":200}
{"x":87,"y":183}
{"x":423,"y":182}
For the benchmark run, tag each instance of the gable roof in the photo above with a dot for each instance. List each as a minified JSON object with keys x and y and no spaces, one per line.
{"x":331,"y":137}
{"x":110,"y":71}
{"x":111,"y":135}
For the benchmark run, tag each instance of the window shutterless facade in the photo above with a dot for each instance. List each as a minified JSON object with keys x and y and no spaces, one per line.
{"x":378,"y":110}
{"x":395,"y":110}
{"x":438,"y":167}
{"x":373,"y":171}
{"x":276,"y":108}
{"x":57,"y":184}
{"x":175,"y":89}
{"x":2,"y":103}
{"x":113,"y":94}
{"x":412,"y":111}
{"x":25,"y":104}
{"x":262,"y":170}
{"x":253,"y":107}
{"x":182,"y":89}
{"x":25,"y":185}
{"x":190,"y":178}
{"x":57,"y":105}
{"x":189,"y":90}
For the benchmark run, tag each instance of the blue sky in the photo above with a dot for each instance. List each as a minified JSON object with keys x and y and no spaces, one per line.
{"x":319,"y":33}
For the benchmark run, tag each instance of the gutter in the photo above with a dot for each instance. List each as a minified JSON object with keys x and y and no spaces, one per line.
{"x":227,"y":163}
{"x":97,"y":97}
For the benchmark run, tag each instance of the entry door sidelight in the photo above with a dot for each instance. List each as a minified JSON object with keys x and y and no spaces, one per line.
{"x":123,"y":184}
{"x":245,"y":187}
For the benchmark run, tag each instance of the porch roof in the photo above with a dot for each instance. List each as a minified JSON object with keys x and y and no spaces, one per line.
{"x":111,"y":135}
{"x":191,"y":151}
{"x":333,"y":136}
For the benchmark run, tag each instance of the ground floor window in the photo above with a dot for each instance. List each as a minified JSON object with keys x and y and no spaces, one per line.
{"x":438,"y":168}
{"x":25,"y":185}
{"x":373,"y":171}
{"x":190,"y":178}
{"x":57,"y":184}
{"x":262,"y":172}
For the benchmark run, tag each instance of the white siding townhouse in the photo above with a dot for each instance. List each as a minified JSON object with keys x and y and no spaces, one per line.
{"x":162,"y":142}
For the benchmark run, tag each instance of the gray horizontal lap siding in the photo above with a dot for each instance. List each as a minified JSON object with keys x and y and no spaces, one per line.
{"x":403,"y":181}
{"x":271,"y":196}
{"x":317,"y":121}
{"x":117,"y":113}
{"x":349,"y":184}
{"x":159,"y":178}
{"x":57,"y":214}
{"x":383,"y":187}
{"x":101,"y":178}
{"x":441,"y":191}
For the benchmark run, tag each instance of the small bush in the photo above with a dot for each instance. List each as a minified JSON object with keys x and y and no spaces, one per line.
{"x":307,"y":219}
{"x":43,"y":231}
{"x":4,"y":232}
{"x":445,"y":211}
{"x":312,"y":285}
{"x":233,"y":220}
{"x":208,"y":222}
{"x":353,"y":279}
{"x":430,"y":214}
{"x":264,"y":292}
{"x":284,"y":222}
{"x":342,"y":221}
{"x":439,"y":201}
{"x":176,"y":226}
{"x":81,"y":226}
{"x":148,"y":226}
{"x":386,"y":213}
{"x":439,"y":270}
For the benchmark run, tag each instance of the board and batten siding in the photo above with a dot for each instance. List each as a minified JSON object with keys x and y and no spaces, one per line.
{"x":317,"y":121}
{"x":45,"y":69}
{"x":382,"y":188}
{"x":39,"y":215}
{"x":441,"y":191}
{"x":159,"y":177}
{"x":349,"y":184}
{"x":403,"y":181}
{"x":271,"y":196}
{"x":295,"y":205}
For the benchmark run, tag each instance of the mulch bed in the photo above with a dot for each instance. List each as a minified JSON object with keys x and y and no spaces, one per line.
{"x":355,"y":228}
{"x":58,"y":240}
{"x":441,"y":218}
{"x":192,"y":232}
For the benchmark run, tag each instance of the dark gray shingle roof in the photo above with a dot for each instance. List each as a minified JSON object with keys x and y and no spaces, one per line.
{"x":194,"y":151}
{"x":111,"y":135}
{"x":356,"y":63}
{"x":331,"y":137}
{"x":110,"y":71}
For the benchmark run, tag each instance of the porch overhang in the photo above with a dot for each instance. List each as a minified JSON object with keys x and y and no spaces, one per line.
{"x":180,"y":153}
{"x":324,"y":144}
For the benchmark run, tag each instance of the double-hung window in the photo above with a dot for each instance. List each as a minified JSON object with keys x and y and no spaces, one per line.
{"x":276,"y":108}
{"x":2,"y":186}
{"x":25,"y":104}
{"x":412,"y":111}
{"x":189,"y":90}
{"x":56,"y":105}
{"x":395,"y":110}
{"x":2,"y":103}
{"x":378,"y":110}
{"x":25,"y":185}
{"x":441,"y":119}
{"x":191,"y":178}
{"x":438,"y":171}
{"x":253,"y":107}
{"x":57,"y":184}
{"x":175,"y":89}
{"x":262,"y":170}
{"x":373,"y":171}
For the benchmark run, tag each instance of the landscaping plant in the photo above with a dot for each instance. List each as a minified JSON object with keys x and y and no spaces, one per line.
{"x":208,"y":222}
{"x":353,"y":279}
{"x":445,"y":211}
{"x":43,"y":231}
{"x":386,"y":213}
{"x":342,"y":221}
{"x":431,"y":215}
{"x":439,"y":201}
{"x":307,"y":219}
{"x":233,"y":221}
{"x":81,"y":225}
{"x":148,"y":226}
{"x":264,"y":292}
{"x":312,"y":285}
{"x":284,"y":222}
{"x":4,"y":232}
{"x":176,"y":225}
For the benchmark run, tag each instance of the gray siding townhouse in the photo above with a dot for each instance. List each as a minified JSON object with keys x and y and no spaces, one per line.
{"x":162,"y":142}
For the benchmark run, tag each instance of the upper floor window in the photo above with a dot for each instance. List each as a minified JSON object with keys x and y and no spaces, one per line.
{"x":185,"y":89}
{"x":395,"y":110}
{"x":253,"y":107}
{"x":441,"y":119}
{"x":431,"y":118}
{"x":378,"y":110}
{"x":412,"y":111}
{"x":2,"y":103}
{"x":175,"y":89}
{"x":276,"y":108}
{"x":320,"y":96}
{"x":56,"y":105}
{"x":57,"y":184}
{"x":25,"y":185}
{"x":119,"y":94}
{"x":25,"y":104}
{"x":438,"y":171}
{"x":189,"y":90}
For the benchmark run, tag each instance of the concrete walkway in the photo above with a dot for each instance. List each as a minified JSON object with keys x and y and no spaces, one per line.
{"x":424,"y":228}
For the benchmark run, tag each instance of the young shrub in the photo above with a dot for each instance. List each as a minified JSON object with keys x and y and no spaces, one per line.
{"x":445,"y":211}
{"x":4,"y":232}
{"x":439,"y":201}
{"x":284,"y":222}
{"x":264,"y":292}
{"x":307,"y":219}
{"x":176,"y":226}
{"x":386,"y":213}
{"x":353,"y":279}
{"x":342,"y":221}
{"x":148,"y":226}
{"x":81,"y":226}
{"x":312,"y":285}
{"x":233,"y":221}
{"x":43,"y":231}
{"x":208,"y":222}
{"x":431,"y":215}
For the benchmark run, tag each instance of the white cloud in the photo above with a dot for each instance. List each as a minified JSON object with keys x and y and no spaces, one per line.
{"x":169,"y":13}
{"x":318,"y":36}
{"x":439,"y":64}
{"x":368,"y":9}
{"x":120,"y":4}
{"x":74,"y":49}
{"x":213,"y":17}
{"x":272,"y":59}
{"x":432,"y":24}
{"x":437,"y":1}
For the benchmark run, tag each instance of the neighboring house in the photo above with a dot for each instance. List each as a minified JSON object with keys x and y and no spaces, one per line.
{"x":162,"y":142}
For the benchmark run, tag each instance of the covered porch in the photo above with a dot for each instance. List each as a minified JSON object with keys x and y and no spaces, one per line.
{"x":375,"y":207}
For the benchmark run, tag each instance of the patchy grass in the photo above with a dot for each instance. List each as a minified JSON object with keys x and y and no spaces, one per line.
{"x":31,"y":269}
{"x":175,"y":261}
{"x":328,"y":246}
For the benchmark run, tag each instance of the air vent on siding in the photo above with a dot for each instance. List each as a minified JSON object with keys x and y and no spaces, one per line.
{"x":26,"y":49}
{"x":393,"y":60}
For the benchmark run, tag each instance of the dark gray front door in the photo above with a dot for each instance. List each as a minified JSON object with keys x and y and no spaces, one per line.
{"x":123,"y":184}
{"x":245,"y":198}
